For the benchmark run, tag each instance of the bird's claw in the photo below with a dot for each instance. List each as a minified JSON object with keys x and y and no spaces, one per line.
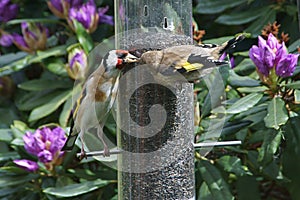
{"x":106,"y":152}
{"x":83,"y":155}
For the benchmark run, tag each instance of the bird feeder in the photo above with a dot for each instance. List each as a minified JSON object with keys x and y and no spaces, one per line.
{"x":155,"y":118}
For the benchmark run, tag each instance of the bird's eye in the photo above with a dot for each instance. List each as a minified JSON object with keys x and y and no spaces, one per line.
{"x":121,"y":53}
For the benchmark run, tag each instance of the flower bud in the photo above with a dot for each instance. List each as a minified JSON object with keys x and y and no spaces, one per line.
{"x":86,"y":15}
{"x":271,"y":54}
{"x":77,"y":64}
{"x":103,"y":18}
{"x":46,"y":144}
{"x":8,"y":10}
{"x":34,"y":37}
{"x":60,"y":8}
{"x":6,"y":39}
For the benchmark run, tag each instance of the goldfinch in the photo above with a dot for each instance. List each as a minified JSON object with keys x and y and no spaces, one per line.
{"x":192,"y":61}
{"x":97,"y":98}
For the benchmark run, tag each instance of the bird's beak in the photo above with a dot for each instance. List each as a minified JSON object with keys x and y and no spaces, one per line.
{"x":129,"y":58}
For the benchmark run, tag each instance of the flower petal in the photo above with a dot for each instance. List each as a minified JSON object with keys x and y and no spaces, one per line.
{"x":28,"y":165}
{"x":8,"y":10}
{"x":273,"y":43}
{"x":268,"y":57}
{"x":287,"y":65}
{"x":6,"y":40}
{"x":45,"y":156}
{"x":255,"y":56}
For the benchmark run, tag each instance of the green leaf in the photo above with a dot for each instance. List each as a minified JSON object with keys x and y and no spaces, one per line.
{"x":204,"y":193}
{"x":215,"y":83}
{"x":256,"y":118}
{"x":293,"y":85}
{"x":27,"y":60}
{"x":9,"y":190}
{"x":216,"y":6}
{"x":11,"y":57}
{"x":233,"y":128}
{"x":13,"y":180}
{"x":269,"y":15}
{"x":247,"y":188}
{"x":277,"y":114}
{"x":269,"y":147}
{"x":253,"y":110}
{"x":35,"y":20}
{"x":44,"y":84}
{"x":214,"y":180}
{"x":291,"y":157}
{"x":293,"y":47}
{"x":83,"y":37}
{"x":31,"y":100}
{"x":220,"y":40}
{"x":5,"y":135}
{"x":297,"y":96}
{"x":65,"y":113}
{"x":244,"y":103}
{"x":77,"y":189}
{"x":232,"y":164}
{"x":241,"y":17}
{"x":252,"y":89}
{"x":49,"y":107}
{"x":10,"y":114}
{"x":8,"y":156}
{"x":241,"y":81}
{"x":246,"y":67}
{"x":56,"y":66}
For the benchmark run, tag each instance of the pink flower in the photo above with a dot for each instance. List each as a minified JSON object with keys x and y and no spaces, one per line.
{"x":86,"y":15}
{"x":60,"y":8}
{"x":28,"y":165}
{"x":269,"y":54}
{"x":33,"y":38}
{"x":45,"y":143}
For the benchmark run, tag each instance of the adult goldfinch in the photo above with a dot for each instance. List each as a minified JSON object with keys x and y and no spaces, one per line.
{"x":192,"y":61}
{"x":97,"y":98}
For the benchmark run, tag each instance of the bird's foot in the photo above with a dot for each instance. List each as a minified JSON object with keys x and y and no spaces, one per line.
{"x":106,"y":152}
{"x":82,"y":155}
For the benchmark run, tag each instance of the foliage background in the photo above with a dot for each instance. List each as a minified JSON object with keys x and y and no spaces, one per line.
{"x":265,"y":166}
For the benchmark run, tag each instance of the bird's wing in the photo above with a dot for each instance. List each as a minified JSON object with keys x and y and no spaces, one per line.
{"x":73,"y":133}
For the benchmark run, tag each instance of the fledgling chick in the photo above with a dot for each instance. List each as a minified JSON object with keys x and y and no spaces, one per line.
{"x":97,"y":98}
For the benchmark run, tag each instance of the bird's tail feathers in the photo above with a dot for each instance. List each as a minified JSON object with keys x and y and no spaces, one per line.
{"x":231,"y":43}
{"x":69,"y":145}
{"x":71,"y":139}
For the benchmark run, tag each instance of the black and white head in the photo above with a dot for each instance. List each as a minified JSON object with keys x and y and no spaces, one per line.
{"x":116,"y":59}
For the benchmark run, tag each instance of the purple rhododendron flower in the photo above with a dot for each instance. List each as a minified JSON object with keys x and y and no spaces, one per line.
{"x":45,"y":143}
{"x":231,"y":59}
{"x":287,"y":65}
{"x":28,"y":165}
{"x":8,"y":10}
{"x":269,"y":54}
{"x":106,"y":19}
{"x":86,"y":15}
{"x":33,"y":38}
{"x":6,"y":40}
{"x":77,"y":63}
{"x":79,"y":58}
{"x":60,"y":8}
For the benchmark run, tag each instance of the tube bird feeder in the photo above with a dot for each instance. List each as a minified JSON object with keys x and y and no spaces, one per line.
{"x":155,"y":118}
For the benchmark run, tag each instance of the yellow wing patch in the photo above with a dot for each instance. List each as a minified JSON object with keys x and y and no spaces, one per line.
{"x":192,"y":66}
